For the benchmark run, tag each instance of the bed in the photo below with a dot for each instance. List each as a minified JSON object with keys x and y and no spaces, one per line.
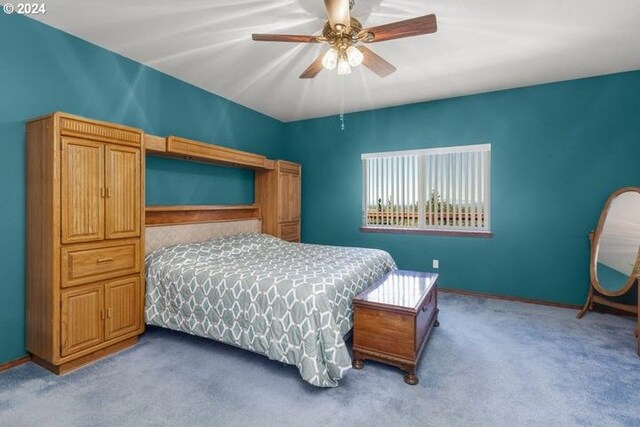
{"x":288,"y":301}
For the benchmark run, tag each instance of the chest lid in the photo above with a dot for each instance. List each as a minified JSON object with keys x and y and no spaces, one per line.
{"x":400,"y":289}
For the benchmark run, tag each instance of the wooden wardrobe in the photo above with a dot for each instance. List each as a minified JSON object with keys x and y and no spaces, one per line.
{"x":279,"y":193}
{"x":85,"y":223}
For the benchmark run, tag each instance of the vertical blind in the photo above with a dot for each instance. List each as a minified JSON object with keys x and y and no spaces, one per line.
{"x":440,"y":188}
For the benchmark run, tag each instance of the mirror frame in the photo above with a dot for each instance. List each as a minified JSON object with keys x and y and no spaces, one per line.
{"x":635,"y":273}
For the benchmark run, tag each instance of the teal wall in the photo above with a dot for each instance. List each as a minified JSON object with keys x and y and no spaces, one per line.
{"x":558,"y":151}
{"x":44,"y":70}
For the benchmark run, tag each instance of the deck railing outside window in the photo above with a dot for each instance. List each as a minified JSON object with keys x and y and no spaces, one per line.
{"x":432,"y":189}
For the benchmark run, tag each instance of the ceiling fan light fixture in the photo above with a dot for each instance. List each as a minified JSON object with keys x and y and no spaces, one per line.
{"x":342,"y":33}
{"x":330,"y":59}
{"x":354,"y":56}
{"x":343,"y":67}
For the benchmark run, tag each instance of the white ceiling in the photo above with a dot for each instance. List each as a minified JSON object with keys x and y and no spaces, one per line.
{"x":480,"y":46}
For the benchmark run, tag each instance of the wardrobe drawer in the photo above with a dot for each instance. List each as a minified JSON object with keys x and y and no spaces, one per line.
{"x":90,"y":262}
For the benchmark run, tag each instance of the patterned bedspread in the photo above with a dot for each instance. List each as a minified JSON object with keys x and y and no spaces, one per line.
{"x":288,"y":301}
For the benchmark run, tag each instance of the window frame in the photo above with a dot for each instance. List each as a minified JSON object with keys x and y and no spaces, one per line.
{"x":439,"y":230}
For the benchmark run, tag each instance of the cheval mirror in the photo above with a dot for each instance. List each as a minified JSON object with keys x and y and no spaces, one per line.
{"x":615,"y":251}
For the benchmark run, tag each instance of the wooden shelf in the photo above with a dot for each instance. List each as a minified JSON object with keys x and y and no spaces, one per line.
{"x":162,"y":215}
{"x":155,"y":144}
{"x":195,"y":151}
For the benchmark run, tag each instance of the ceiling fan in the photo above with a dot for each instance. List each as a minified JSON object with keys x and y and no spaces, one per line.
{"x":344,"y":34}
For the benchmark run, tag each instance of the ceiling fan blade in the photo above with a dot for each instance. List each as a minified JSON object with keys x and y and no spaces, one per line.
{"x":376,"y":63}
{"x":284,"y":38}
{"x":338,"y":13}
{"x":408,"y":28}
{"x":313,"y":69}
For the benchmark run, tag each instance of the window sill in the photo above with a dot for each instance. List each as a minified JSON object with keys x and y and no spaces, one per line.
{"x":450,"y":233}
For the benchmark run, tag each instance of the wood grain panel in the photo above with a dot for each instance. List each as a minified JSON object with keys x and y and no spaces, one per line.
{"x":80,"y":359}
{"x":295,"y":197}
{"x":423,"y":317}
{"x":376,"y":63}
{"x":90,"y":262}
{"x":289,"y":191}
{"x":122,"y":300}
{"x":266,"y":194}
{"x":291,"y":38}
{"x":283,"y":197}
{"x":393,"y":319}
{"x":82,"y":323}
{"x":107,"y":132}
{"x":408,"y":28}
{"x":314,"y":68}
{"x":159,"y":215}
{"x":41,"y":272}
{"x":385,"y":331}
{"x":155,"y":144}
{"x":269,"y":164}
{"x":66,"y":191}
{"x":82,"y":192}
{"x":290,"y":167}
{"x":122,"y":178}
{"x":290,"y":231}
{"x":142,"y":240}
{"x":279,"y":193}
{"x":209,"y":153}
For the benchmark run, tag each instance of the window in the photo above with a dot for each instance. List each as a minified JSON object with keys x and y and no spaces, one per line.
{"x":437,"y":190}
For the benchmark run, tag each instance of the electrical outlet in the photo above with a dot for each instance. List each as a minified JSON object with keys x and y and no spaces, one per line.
{"x":436,"y":263}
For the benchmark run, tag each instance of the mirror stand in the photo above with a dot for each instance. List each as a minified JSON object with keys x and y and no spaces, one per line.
{"x":614,"y":267}
{"x":595,"y":297}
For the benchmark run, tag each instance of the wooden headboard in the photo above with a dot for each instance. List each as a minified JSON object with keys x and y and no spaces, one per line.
{"x":163,"y":215}
{"x":172,"y":225}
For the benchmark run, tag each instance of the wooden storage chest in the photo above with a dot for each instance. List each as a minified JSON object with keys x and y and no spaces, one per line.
{"x":393,"y":319}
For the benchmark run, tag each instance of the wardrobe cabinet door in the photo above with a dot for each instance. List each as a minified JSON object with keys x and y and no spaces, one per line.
{"x":294,"y":197}
{"x":283,"y":196}
{"x":123,"y":307}
{"x":82,"y":319}
{"x":289,"y":196}
{"x":82,"y":180}
{"x":122,"y":192}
